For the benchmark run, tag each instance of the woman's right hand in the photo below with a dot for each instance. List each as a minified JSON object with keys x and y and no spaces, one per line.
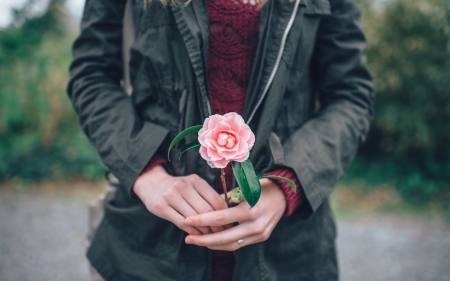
{"x":175,"y":198}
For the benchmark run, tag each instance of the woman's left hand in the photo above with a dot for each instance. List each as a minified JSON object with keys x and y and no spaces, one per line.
{"x":255,"y":224}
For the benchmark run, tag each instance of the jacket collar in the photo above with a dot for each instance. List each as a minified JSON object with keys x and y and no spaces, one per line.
{"x":192,"y":21}
{"x":192,"y":24}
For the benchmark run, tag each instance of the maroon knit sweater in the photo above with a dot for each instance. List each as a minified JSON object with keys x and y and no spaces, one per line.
{"x":233,"y":29}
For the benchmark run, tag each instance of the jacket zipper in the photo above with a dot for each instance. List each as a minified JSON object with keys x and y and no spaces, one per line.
{"x":277,"y":62}
{"x":275,"y":68}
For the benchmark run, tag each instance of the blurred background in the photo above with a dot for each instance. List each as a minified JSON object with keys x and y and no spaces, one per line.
{"x":392,"y":206}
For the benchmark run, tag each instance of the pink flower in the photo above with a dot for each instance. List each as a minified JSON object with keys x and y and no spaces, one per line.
{"x":224,"y":139}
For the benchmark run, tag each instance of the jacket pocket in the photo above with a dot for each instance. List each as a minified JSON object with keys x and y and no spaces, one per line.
{"x":276,"y":149}
{"x":276,"y":157}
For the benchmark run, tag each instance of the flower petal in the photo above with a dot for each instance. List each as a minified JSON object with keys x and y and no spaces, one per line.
{"x":242,"y":158}
{"x":211,"y":121}
{"x":202,"y":137}
{"x":245,"y":132}
{"x":235,"y":147}
{"x":204,"y":153}
{"x":213,"y":155}
{"x":251,"y":141}
{"x":235,"y":123}
{"x":209,"y":138}
{"x":220,"y":164}
{"x":243,"y":146}
{"x":235,"y":115}
{"x":220,"y":126}
{"x":230,"y":155}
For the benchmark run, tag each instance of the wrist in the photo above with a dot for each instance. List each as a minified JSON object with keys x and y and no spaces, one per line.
{"x":276,"y":193}
{"x":149,"y":178}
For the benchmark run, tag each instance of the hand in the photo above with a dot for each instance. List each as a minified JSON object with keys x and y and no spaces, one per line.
{"x":255,"y":224}
{"x":174,"y":198}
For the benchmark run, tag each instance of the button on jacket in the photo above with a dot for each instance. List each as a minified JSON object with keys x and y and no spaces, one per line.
{"x":309,"y":103}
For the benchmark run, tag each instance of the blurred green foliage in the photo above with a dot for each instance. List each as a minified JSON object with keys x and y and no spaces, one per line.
{"x":40,"y":135}
{"x":408,"y":54}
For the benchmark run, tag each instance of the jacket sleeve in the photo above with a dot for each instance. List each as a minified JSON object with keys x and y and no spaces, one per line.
{"x":293,"y":200}
{"x":124,"y":141}
{"x":321,"y":150}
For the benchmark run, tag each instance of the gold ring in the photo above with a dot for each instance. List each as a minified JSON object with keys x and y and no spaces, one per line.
{"x":241,"y":243}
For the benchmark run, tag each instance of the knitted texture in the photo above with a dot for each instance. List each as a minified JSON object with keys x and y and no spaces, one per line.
{"x":233,"y":39}
{"x":293,"y":200}
{"x":154,"y":161}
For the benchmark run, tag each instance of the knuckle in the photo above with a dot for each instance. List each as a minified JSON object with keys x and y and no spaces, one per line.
{"x":219,"y":219}
{"x":252,"y":214}
{"x":169,"y":193}
{"x":206,"y":209}
{"x":259,"y":229}
{"x":179,"y":184}
{"x":194,"y":177}
{"x":264,"y":236}
{"x":219,"y":203}
{"x":180,"y":224}
{"x":159,"y":206}
{"x":221,"y":240}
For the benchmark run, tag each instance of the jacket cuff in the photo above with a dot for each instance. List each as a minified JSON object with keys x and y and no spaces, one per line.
{"x":156,"y":160}
{"x":148,"y":142}
{"x":293,"y":200}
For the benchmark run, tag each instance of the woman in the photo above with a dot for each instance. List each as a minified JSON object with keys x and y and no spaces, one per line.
{"x":265,"y":61}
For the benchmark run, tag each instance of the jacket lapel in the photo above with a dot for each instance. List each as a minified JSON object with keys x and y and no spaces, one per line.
{"x":261,"y":50}
{"x":274,"y":20}
{"x":192,"y":21}
{"x":194,"y":37}
{"x":201,"y":14}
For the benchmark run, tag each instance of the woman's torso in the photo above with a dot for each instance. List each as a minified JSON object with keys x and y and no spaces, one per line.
{"x":170,"y":88}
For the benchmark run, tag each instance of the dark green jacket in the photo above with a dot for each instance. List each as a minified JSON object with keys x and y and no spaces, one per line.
{"x":307,"y":49}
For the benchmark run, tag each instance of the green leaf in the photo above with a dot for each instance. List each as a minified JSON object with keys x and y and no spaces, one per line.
{"x":245,"y":175}
{"x":290,"y":182}
{"x":242,"y":180}
{"x":187,"y":147}
{"x":180,"y":136}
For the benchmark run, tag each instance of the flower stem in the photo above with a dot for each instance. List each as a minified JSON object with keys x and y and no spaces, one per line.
{"x":224,"y":184}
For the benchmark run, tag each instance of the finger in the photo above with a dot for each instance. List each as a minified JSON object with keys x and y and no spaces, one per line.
{"x":239,"y":213}
{"x":182,"y":207}
{"x":208,"y":193}
{"x":177,"y":219}
{"x":226,"y":226}
{"x":222,"y":195}
{"x":199,"y":205}
{"x":234,"y":246}
{"x":222,"y":238}
{"x":230,"y":202}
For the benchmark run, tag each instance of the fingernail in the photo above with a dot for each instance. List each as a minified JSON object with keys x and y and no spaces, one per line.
{"x":187,"y":240}
{"x":189,"y":222}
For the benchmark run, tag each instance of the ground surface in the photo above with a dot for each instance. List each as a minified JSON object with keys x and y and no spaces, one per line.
{"x":41,"y":238}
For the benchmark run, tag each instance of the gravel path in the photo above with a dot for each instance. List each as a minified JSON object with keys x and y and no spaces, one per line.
{"x":41,"y":238}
